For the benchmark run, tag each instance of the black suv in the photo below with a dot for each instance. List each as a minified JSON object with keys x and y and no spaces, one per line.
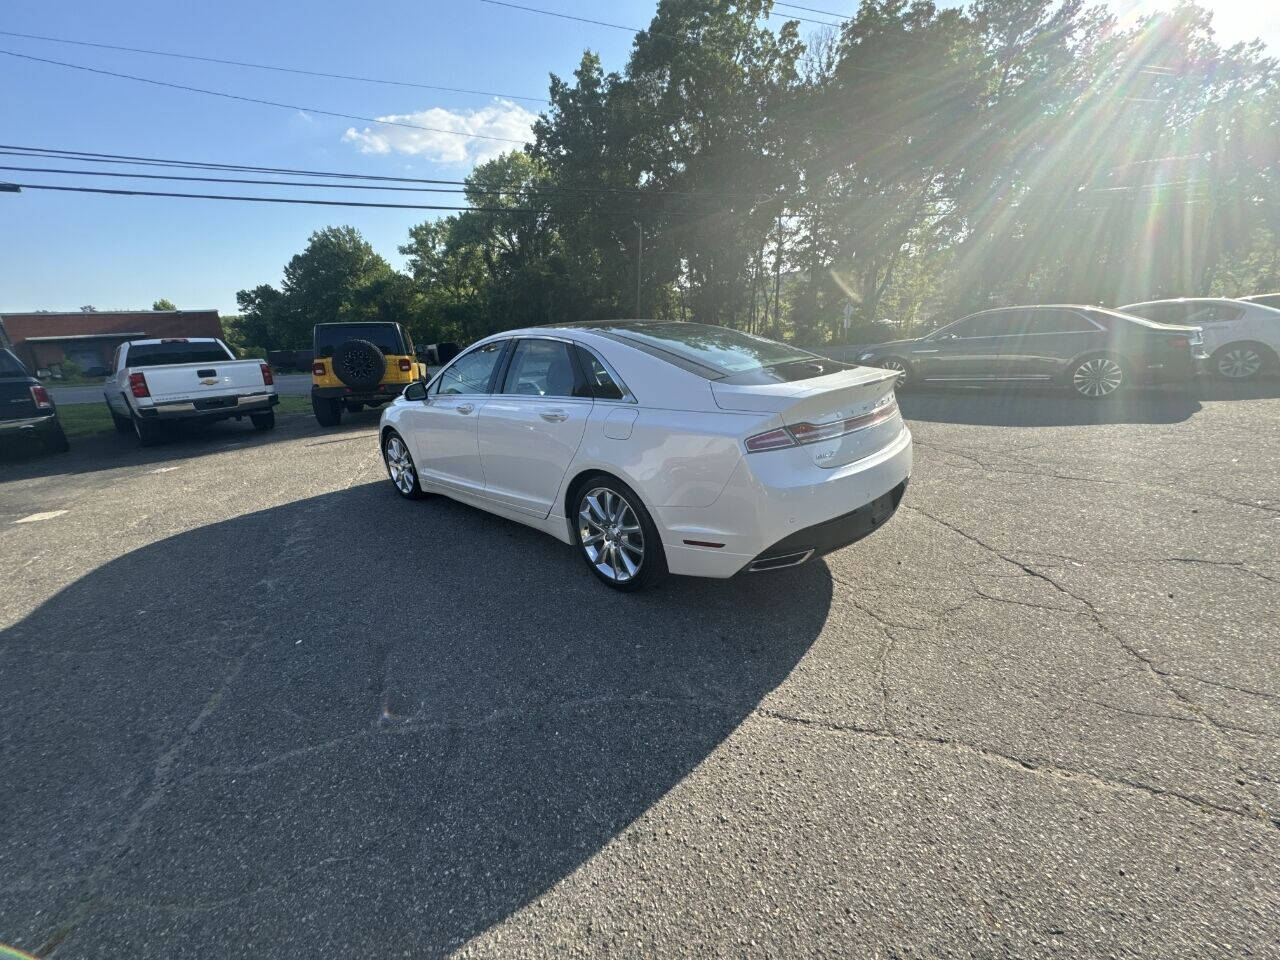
{"x":26,"y":409}
{"x":1094,"y":351}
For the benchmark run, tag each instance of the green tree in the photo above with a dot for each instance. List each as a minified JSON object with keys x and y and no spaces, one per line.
{"x":163,"y":304}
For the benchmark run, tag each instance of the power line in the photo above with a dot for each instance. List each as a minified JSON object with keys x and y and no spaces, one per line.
{"x":825,"y":13}
{"x":132,"y":160}
{"x":268,"y":103}
{"x":267,"y":66}
{"x":268,"y":183}
{"x":296,"y":200}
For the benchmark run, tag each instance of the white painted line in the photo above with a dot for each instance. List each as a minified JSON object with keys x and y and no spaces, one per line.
{"x":49,"y":515}
{"x":165,"y":469}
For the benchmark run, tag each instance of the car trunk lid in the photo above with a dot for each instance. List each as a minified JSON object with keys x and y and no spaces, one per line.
{"x":169,"y":383}
{"x":16,"y":402}
{"x":837,"y":417}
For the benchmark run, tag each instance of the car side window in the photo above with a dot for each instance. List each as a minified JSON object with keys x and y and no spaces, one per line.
{"x":471,"y":372}
{"x":1217,"y":313}
{"x":543,"y":368}
{"x":980,"y":325}
{"x":1057,"y":321}
{"x":604,"y":383}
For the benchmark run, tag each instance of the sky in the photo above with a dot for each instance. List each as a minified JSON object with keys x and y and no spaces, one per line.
{"x":62,"y":251}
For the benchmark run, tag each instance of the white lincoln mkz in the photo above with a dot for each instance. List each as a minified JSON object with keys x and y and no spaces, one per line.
{"x":657,"y":446}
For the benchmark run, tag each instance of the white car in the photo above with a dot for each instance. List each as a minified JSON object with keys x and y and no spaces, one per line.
{"x":657,"y":446}
{"x":1241,"y":338}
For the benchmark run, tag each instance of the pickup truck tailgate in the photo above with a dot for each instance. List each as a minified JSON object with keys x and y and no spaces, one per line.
{"x":191,"y":381}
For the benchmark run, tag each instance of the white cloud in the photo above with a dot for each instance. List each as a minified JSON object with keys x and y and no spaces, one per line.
{"x":500,"y":119}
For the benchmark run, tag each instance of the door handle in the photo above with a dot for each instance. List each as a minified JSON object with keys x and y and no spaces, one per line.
{"x":924,"y":351}
{"x":554,"y":416}
{"x":465,"y":407}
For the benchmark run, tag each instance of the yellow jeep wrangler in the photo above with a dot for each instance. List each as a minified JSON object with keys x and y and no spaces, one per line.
{"x":360,"y":365}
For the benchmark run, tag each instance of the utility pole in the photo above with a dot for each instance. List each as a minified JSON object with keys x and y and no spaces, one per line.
{"x":639,"y":262}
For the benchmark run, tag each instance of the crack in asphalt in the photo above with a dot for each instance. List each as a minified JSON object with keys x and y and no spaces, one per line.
{"x":1161,"y":678}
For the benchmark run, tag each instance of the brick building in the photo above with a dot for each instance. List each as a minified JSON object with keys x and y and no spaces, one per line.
{"x":88,"y":338}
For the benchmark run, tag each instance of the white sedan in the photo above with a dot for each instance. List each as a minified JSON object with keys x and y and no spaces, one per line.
{"x":656,"y":447}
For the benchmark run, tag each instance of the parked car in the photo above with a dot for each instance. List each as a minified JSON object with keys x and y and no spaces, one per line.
{"x":657,"y":447}
{"x":1093,"y":351}
{"x":1241,"y":338}
{"x":360,"y":365}
{"x":186,"y":379}
{"x":26,"y":409}
{"x":1265,"y":299}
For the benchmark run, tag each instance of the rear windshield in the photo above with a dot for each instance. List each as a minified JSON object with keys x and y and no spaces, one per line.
{"x":719,"y":351}
{"x":330,"y":336}
{"x":10,"y":366}
{"x":178,"y":351}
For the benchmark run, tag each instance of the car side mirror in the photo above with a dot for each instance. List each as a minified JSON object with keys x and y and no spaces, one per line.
{"x":417,"y":390}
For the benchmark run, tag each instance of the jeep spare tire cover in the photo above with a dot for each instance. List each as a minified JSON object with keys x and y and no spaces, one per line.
{"x":359,"y":364}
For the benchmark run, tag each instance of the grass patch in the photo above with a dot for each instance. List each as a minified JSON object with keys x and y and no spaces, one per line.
{"x":80,"y":420}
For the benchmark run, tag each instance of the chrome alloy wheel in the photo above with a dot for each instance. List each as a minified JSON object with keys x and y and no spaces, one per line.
{"x":400,"y":466}
{"x":610,"y":533}
{"x":897,"y":366}
{"x":1239,"y":363}
{"x":1098,"y":377}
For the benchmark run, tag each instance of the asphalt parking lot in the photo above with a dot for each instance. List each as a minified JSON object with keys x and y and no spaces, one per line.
{"x":253,"y":704}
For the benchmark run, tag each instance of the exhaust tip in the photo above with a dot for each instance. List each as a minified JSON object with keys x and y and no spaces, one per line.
{"x":780,"y":562}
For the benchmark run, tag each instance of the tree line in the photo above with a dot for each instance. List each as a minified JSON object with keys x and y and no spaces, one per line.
{"x":913,"y":164}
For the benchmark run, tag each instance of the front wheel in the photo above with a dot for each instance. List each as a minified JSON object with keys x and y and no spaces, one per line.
{"x":1238,"y":361}
{"x":400,"y":467}
{"x":616,"y":535}
{"x":1096,"y":378}
{"x":328,"y":412}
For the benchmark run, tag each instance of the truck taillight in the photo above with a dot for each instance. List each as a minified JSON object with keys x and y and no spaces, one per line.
{"x":405,"y":365}
{"x":267,"y":378}
{"x":138,"y":385}
{"x":317,"y":369}
{"x":40,"y":397}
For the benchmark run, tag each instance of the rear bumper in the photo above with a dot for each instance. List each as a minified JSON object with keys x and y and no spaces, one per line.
{"x":385,"y":393}
{"x":200,"y":410}
{"x":780,"y":501}
{"x":1168,"y":371}
{"x":44,"y":423}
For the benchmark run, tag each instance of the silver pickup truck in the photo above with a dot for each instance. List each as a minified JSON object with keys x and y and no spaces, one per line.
{"x":192,"y":379}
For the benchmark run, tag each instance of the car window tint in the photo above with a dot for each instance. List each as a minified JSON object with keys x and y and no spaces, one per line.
{"x":1057,"y":321}
{"x":178,"y":351}
{"x":982,"y":325}
{"x":9,"y":365}
{"x":603,"y":382}
{"x":470,"y":373}
{"x":328,"y":337}
{"x":542,"y":368}
{"x":1215,"y":313}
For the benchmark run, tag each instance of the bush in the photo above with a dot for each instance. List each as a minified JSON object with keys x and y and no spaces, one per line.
{"x":251,"y":353}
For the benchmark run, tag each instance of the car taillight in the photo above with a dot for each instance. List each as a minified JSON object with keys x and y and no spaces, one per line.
{"x":317,"y":369}
{"x":40,"y":397}
{"x":772,"y":440}
{"x":138,"y":385}
{"x":405,"y":366}
{"x":267,"y":378}
{"x":817,"y":432}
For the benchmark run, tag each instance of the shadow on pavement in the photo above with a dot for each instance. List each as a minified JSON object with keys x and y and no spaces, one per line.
{"x":355,"y":725}
{"x":109,"y":450}
{"x":1044,"y":406}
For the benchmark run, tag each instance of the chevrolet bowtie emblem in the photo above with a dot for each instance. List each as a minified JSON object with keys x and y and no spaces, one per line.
{"x":209,"y":381}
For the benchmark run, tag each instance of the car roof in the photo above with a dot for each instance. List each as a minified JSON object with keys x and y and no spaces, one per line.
{"x":1151,"y":303}
{"x":152,"y":340}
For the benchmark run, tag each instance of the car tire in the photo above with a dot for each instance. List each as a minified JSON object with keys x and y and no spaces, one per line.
{"x":1239,"y":362}
{"x":1098,"y":377}
{"x":328,"y":412}
{"x":360,"y":365}
{"x":906,"y":376}
{"x":55,"y":441}
{"x":627,"y":552}
{"x":263,"y":421}
{"x":147,"y":433}
{"x":122,"y":424}
{"x":400,"y":466}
